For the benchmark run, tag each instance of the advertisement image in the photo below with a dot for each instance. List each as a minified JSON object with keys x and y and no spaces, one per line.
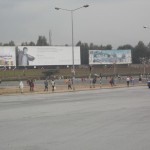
{"x":110,"y":57}
{"x":7,"y":56}
{"x":24,"y":57}
{"x":47,"y":55}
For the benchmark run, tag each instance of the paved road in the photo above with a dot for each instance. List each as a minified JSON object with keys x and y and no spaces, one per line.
{"x":105,"y":119}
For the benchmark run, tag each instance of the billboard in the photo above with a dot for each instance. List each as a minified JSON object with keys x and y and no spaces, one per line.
{"x":47,"y":55}
{"x":110,"y":57}
{"x":7,"y":56}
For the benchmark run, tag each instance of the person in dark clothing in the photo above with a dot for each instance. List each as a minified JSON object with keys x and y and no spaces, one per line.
{"x":31,"y":84}
{"x":94,"y":81}
{"x":111,"y":81}
{"x":69,"y":84}
{"x":46,"y":85}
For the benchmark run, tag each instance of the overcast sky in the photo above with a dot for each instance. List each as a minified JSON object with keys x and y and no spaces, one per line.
{"x":115,"y":22}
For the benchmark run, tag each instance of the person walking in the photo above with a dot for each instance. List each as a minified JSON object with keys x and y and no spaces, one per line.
{"x":128,"y":81}
{"x":31,"y":84}
{"x":69,"y":84}
{"x":94,"y":82}
{"x":53,"y":85}
{"x":111,"y":81}
{"x":46,"y":85}
{"x":21,"y":86}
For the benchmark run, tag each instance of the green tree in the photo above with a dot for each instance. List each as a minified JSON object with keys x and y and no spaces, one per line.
{"x":31,"y":43}
{"x":42,"y":41}
{"x":24,"y":44}
{"x":139,"y":51}
{"x":11,"y":43}
{"x":108,"y":47}
{"x":127,"y":46}
{"x":28,"y":44}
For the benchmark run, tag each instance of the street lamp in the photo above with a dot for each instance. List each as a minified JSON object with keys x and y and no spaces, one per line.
{"x":145,"y":61}
{"x":71,"y":11}
{"x":145,"y":27}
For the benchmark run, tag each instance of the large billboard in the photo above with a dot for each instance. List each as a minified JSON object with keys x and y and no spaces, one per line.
{"x":7,"y":56}
{"x":47,"y":55}
{"x":110,"y":57}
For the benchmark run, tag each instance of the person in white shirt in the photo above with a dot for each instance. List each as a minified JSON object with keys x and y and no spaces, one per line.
{"x":53,"y":85}
{"x":21,"y":86}
{"x":128,"y":80}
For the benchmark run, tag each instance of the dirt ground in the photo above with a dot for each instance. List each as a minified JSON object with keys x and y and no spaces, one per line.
{"x":60,"y":88}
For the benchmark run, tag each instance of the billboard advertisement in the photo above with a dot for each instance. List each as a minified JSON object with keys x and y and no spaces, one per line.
{"x":7,"y":56}
{"x":110,"y":57}
{"x":47,"y":55}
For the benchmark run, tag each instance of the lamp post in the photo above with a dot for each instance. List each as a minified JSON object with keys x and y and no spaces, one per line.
{"x":145,"y":27}
{"x":146,"y":61}
{"x":72,"y":11}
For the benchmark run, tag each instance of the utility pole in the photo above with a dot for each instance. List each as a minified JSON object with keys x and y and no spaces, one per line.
{"x":50,"y":38}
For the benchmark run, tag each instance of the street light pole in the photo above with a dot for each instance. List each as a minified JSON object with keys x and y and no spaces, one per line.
{"x":72,"y":27}
{"x":145,"y":27}
{"x":73,"y":68}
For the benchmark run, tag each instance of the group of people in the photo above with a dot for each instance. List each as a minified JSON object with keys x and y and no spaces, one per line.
{"x":129,"y":80}
{"x":46,"y":83}
{"x":69,"y":83}
{"x":30,"y":83}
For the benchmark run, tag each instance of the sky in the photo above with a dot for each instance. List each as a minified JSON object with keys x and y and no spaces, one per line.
{"x":115,"y":22}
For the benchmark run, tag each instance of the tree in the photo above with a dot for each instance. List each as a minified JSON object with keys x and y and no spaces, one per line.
{"x":42,"y":41}
{"x":139,"y":51}
{"x":148,"y":46}
{"x":31,"y":44}
{"x":108,"y":47}
{"x":127,"y":46}
{"x":24,"y":44}
{"x":28,"y":44}
{"x":11,"y":43}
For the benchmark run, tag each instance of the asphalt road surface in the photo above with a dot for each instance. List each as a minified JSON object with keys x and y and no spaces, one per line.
{"x":104,"y":119}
